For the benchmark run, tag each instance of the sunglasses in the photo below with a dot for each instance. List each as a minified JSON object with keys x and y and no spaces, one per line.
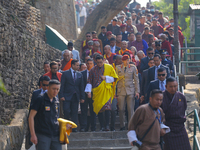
{"x":59,"y":64}
{"x":88,"y":36}
{"x":161,"y":75}
{"x":150,"y":53}
{"x":45,"y":85}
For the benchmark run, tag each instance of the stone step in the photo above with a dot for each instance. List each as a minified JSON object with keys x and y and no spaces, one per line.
{"x":102,"y":148}
{"x":98,"y":135}
{"x":117,"y":126}
{"x":87,"y":143}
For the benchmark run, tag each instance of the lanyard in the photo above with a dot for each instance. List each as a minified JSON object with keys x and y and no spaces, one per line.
{"x":156,"y":113}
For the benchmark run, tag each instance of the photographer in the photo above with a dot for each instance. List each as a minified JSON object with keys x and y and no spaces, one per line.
{"x":146,"y":126}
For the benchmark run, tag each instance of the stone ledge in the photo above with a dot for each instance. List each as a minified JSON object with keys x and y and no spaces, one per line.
{"x":11,"y":136}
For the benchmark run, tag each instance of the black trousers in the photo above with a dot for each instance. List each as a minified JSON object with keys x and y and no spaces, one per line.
{"x":70,"y":109}
{"x":84,"y":117}
{"x":104,"y":118}
{"x":113,"y":113}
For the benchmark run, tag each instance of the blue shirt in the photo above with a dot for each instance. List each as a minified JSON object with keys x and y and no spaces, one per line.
{"x":160,"y":85}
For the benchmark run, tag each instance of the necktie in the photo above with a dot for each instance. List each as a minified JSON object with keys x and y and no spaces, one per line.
{"x":74,"y":75}
{"x":162,"y":86}
{"x":125,"y":69}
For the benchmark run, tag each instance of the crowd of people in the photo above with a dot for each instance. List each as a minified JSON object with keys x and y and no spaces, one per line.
{"x":126,"y":70}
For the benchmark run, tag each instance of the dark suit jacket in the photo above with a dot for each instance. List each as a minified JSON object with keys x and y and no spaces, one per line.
{"x":144,"y":64}
{"x":68,"y":87}
{"x":102,"y":38}
{"x":151,"y":73}
{"x":117,"y":49}
{"x":84,"y":73}
{"x":35,"y":94}
{"x":116,"y":30}
{"x":144,"y":82}
{"x":153,"y":85}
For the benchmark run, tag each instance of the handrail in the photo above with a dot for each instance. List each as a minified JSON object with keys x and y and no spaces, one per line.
{"x":196,"y":122}
{"x":186,"y":48}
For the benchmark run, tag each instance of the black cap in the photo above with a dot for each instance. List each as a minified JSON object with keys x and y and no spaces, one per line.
{"x":103,"y":27}
{"x":70,"y":44}
{"x":163,"y":51}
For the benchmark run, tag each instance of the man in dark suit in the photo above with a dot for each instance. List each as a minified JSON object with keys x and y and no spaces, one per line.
{"x":144,"y":81}
{"x":72,"y":91}
{"x":144,"y":61}
{"x":114,"y":48}
{"x":152,"y":72}
{"x":113,"y":27}
{"x":88,"y":101}
{"x":102,"y":36}
{"x":44,"y":86}
{"x":158,"y":83}
{"x":167,"y":62}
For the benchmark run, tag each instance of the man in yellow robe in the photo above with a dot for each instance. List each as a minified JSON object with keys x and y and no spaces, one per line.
{"x":101,"y":82}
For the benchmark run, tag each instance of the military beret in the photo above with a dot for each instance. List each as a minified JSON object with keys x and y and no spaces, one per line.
{"x":108,"y":33}
{"x":123,"y":25}
{"x":125,"y":57}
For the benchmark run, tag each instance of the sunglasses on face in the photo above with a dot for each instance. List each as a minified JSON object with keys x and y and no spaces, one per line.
{"x":150,"y":53}
{"x":88,"y":36}
{"x":45,"y":85}
{"x":161,"y":75}
{"x":59,"y":64}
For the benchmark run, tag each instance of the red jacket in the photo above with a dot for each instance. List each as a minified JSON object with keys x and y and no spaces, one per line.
{"x":166,"y":45}
{"x":49,"y":74}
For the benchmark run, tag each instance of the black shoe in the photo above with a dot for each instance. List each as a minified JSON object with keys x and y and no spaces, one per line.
{"x":122,"y":129}
{"x":102,"y":129}
{"x":112,"y":129}
{"x":82,"y":130}
{"x":74,"y":130}
{"x":107,"y":128}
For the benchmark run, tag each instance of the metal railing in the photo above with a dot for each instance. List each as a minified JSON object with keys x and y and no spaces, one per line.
{"x":196,"y":123}
{"x":187,"y":52}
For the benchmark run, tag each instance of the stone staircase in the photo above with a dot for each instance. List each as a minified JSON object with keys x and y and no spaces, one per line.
{"x":111,"y":140}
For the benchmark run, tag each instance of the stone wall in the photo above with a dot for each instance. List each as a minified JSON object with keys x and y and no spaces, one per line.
{"x":11,"y":137}
{"x":22,"y":53}
{"x":60,"y":15}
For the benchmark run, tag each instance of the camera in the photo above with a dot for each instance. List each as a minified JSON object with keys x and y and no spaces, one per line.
{"x":137,"y":143}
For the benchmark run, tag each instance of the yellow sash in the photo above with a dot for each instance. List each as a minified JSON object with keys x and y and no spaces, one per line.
{"x":104,"y":91}
{"x":84,"y":43}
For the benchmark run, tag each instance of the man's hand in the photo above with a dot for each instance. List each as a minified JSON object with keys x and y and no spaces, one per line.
{"x":89,"y":95}
{"x":162,"y":132}
{"x":62,"y":99}
{"x":137,"y":95}
{"x":141,"y":98}
{"x":132,"y":143}
{"x":82,"y":101}
{"x":103,"y":77}
{"x":68,"y":126}
{"x":34,"y":139}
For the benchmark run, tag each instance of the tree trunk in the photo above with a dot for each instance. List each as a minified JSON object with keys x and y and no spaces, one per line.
{"x":102,"y":15}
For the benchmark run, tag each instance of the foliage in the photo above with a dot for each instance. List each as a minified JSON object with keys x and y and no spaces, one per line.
{"x":2,"y":87}
{"x":166,"y":6}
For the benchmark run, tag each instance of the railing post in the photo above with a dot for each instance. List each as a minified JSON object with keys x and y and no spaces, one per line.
{"x":195,"y":121}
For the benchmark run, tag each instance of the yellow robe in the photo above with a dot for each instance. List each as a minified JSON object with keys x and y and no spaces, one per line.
{"x":104,"y":91}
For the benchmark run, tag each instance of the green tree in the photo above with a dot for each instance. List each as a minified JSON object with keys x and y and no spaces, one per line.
{"x":166,"y":6}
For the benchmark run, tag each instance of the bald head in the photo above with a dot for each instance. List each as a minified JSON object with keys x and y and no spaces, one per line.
{"x":124,"y":45}
{"x":107,"y":50}
{"x":140,"y":54}
{"x":67,"y":55}
{"x":118,"y":60}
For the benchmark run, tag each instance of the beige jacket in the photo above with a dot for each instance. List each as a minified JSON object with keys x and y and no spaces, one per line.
{"x":128,"y":83}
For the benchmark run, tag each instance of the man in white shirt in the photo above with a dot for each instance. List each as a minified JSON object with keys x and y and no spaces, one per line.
{"x":82,"y":14}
